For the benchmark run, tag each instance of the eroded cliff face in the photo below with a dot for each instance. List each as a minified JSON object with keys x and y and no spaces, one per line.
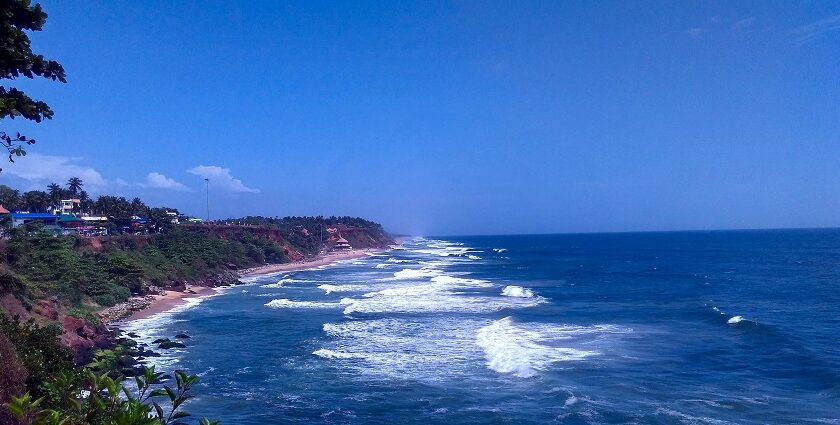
{"x":79,"y":334}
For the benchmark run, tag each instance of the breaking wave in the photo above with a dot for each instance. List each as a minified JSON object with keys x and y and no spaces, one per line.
{"x":734,"y":320}
{"x":517,"y":291}
{"x":286,"y":303}
{"x":415,"y":273}
{"x":525,"y":350}
{"x":329,"y":288}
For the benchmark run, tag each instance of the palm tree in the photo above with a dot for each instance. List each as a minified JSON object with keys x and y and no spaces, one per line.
{"x":85,"y":203}
{"x":55,"y":192}
{"x":74,"y":185}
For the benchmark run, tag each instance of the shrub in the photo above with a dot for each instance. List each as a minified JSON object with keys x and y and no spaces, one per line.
{"x":38,"y":349}
{"x":12,"y":378}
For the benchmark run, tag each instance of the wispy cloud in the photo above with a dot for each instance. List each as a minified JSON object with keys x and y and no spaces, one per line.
{"x":716,"y":25}
{"x":744,"y":23}
{"x":159,"y":181}
{"x":696,"y":33}
{"x":45,"y":169}
{"x":816,"y":29}
{"x":221,"y":178}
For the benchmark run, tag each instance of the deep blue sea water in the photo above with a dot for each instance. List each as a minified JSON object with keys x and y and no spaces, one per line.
{"x":649,"y":328}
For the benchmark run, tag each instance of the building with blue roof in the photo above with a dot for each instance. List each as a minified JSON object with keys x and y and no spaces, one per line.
{"x":46,"y":219}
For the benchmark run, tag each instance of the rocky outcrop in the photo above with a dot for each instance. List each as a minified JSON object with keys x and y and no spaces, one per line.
{"x":225,"y":278}
{"x":78,"y":334}
{"x":84,"y":338}
{"x":123,"y":310}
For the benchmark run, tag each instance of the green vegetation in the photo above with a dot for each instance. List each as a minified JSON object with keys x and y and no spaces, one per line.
{"x":107,"y":270}
{"x":44,"y":388}
{"x":76,"y":272}
{"x":17,"y":59}
{"x":308,"y":233}
{"x":117,"y":207}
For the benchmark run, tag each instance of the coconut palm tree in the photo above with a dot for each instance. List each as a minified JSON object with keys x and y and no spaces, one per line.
{"x":74,"y":185}
{"x":56,"y":192}
{"x":85,"y":203}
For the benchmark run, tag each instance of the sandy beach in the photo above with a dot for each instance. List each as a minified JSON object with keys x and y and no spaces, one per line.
{"x":172,"y":299}
{"x":169,"y":301}
{"x":301,"y":265}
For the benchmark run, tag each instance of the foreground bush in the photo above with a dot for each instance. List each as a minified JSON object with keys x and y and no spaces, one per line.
{"x":39,"y":385}
{"x":102,"y":400}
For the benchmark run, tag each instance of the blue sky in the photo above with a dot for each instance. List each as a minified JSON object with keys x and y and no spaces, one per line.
{"x":451,"y":117}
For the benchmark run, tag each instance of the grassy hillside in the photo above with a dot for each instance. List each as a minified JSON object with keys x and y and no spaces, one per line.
{"x":102,"y":271}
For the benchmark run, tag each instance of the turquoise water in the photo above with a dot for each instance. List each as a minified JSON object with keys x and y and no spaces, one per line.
{"x":663,"y":328}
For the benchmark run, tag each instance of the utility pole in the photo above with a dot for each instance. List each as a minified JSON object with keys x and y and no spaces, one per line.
{"x":207,"y":187}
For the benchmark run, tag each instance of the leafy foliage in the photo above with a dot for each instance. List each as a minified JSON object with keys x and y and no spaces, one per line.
{"x":17,"y":59}
{"x":38,"y":351}
{"x":58,"y":393}
{"x":103,"y":400}
{"x":49,"y":265}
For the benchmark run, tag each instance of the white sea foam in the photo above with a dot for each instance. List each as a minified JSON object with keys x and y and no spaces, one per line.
{"x":689,"y":419}
{"x":397,"y":260}
{"x":734,"y":320}
{"x":286,"y":303}
{"x":517,"y":291}
{"x":329,"y":288}
{"x":282,"y":283}
{"x":382,"y":266}
{"x":453,"y":281}
{"x":418,"y":349}
{"x":160,"y":326}
{"x":416,"y":273}
{"x":473,"y":257}
{"x":524,"y":350}
{"x":330,"y":354}
{"x":441,"y":294}
{"x":499,"y":250}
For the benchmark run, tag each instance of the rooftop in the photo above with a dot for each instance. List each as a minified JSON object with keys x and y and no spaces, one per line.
{"x":33,"y":215}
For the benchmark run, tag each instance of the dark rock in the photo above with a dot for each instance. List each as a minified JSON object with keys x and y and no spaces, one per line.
{"x":126,"y":361}
{"x":170,"y":344}
{"x":182,"y":336}
{"x":160,"y":340}
{"x":177,"y":286}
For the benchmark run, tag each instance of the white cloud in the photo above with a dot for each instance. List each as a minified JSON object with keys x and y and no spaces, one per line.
{"x":221,"y":178}
{"x":813,"y":30}
{"x":159,"y":181}
{"x":45,"y":169}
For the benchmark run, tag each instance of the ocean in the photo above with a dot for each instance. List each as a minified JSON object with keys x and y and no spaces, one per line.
{"x":739,"y":327}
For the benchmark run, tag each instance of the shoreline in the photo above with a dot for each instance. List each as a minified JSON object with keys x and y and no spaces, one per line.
{"x":163,"y":303}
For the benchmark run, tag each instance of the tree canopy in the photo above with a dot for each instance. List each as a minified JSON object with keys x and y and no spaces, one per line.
{"x":17,"y":59}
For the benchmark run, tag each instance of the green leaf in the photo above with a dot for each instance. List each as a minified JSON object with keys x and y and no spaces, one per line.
{"x":181,"y":414}
{"x":158,"y":393}
{"x":158,"y":410}
{"x":170,"y":393}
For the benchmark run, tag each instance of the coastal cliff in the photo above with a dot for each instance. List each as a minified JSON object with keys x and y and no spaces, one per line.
{"x":82,"y":283}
